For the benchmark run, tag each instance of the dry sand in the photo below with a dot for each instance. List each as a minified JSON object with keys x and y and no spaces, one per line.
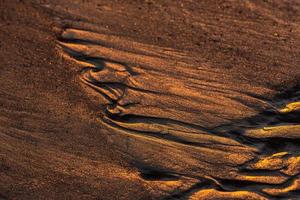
{"x":149,"y":99}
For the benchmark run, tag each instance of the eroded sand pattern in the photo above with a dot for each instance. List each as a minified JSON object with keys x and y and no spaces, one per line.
{"x":143,"y":99}
{"x":159,"y":99}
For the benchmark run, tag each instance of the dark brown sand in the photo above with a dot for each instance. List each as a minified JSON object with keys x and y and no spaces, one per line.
{"x":141,"y":99}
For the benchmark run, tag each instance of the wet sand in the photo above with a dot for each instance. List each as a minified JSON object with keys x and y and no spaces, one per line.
{"x":149,"y":99}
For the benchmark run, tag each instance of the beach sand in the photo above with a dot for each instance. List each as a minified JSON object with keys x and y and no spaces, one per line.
{"x":149,"y":99}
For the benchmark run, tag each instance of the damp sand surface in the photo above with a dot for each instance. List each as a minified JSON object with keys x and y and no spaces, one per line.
{"x":149,"y":99}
